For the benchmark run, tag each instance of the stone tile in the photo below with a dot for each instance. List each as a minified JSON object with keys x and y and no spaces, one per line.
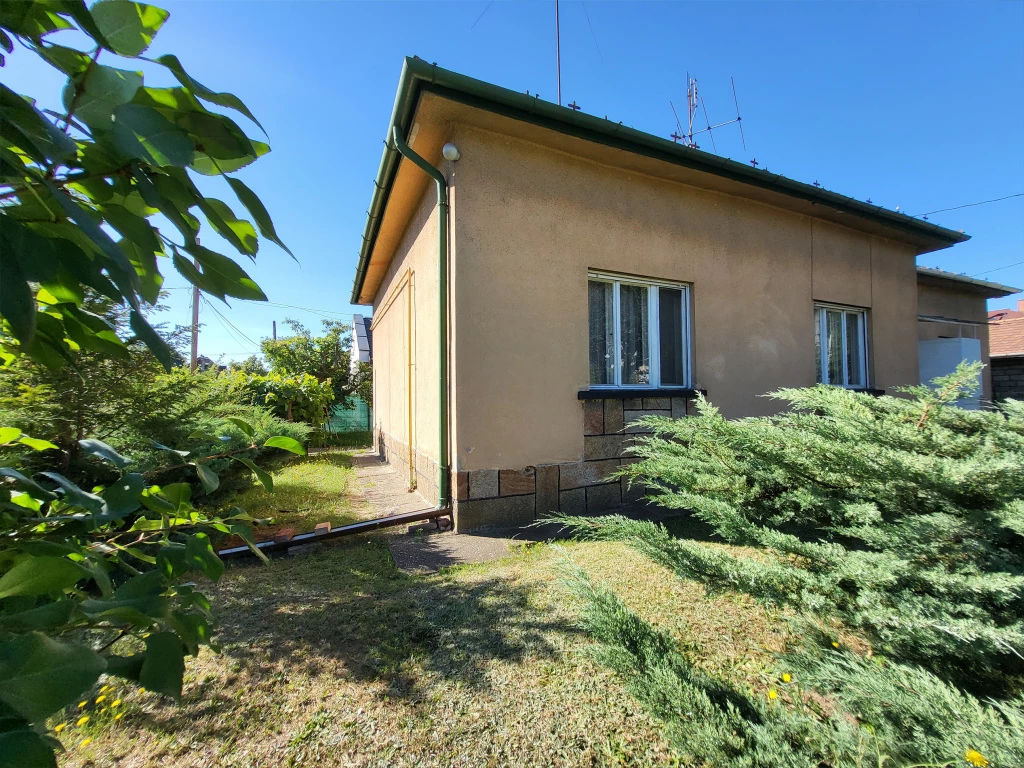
{"x":657,"y":403}
{"x":633,"y":494}
{"x":601,"y":498}
{"x":678,"y":407}
{"x":516,"y":482}
{"x":631,"y":416}
{"x":573,"y":502}
{"x":494,"y":513}
{"x":585,"y":473}
{"x":483,"y":483}
{"x":612,"y":416}
{"x":603,"y":447}
{"x":547,"y":489}
{"x":593,"y":417}
{"x":462,"y":485}
{"x":633,"y":404}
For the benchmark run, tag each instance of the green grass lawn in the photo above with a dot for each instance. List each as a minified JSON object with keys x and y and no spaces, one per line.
{"x":336,"y":658}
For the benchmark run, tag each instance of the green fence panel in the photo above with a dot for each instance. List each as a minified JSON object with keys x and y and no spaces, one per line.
{"x":358,"y":419}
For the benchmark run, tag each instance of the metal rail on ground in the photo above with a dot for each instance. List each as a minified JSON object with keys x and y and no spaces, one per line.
{"x":362,"y":526}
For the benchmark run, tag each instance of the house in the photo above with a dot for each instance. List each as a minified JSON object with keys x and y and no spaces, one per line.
{"x":362,"y":344}
{"x":1006,"y":339}
{"x":954,"y":325}
{"x":512,"y":246}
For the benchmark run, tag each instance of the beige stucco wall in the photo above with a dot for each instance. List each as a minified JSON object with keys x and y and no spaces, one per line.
{"x":956,"y":304}
{"x":410,"y":286}
{"x":531,"y":221}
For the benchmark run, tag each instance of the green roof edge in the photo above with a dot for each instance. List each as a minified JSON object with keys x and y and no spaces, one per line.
{"x":418,"y":75}
{"x":987,"y":287}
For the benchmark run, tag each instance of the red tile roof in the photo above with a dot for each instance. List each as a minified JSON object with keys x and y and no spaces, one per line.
{"x":1006,"y":336}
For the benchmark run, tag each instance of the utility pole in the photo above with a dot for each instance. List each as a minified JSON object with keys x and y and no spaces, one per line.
{"x":558,"y":55}
{"x":275,"y":330}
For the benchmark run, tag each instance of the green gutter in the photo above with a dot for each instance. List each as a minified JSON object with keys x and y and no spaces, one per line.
{"x":419,"y":76}
{"x":442,"y":287}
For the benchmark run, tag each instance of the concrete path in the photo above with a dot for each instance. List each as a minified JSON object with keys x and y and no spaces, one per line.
{"x":385,"y":492}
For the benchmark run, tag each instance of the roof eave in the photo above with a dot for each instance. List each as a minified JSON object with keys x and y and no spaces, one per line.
{"x":417,"y":73}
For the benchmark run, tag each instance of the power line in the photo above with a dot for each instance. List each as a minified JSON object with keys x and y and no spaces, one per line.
{"x":997,"y":269}
{"x":229,"y":326}
{"x":969,"y":205}
{"x":599,"y":54}
{"x":482,"y":14}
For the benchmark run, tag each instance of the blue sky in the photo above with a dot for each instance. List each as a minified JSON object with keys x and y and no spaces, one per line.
{"x":914,"y":104}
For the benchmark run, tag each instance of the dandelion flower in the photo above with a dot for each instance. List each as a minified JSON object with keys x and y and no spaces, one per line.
{"x":786,"y":677}
{"x":83,"y":720}
{"x":59,"y":727}
{"x":104,"y":689}
{"x":772,"y":694}
{"x":100,"y":698}
{"x":835,"y":645}
{"x":103,"y":710}
{"x":82,"y":704}
{"x":115,"y":703}
{"x":119,"y":715}
{"x":974,"y":757}
{"x":142,"y":690}
{"x":85,"y":742}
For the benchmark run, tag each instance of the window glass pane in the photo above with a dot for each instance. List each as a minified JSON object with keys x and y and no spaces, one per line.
{"x":854,"y":353}
{"x":834,"y":329}
{"x":670,"y":335}
{"x":602,"y":334}
{"x":817,"y":345}
{"x":635,"y":345}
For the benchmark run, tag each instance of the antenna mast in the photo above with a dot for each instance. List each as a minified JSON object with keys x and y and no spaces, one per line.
{"x":695,"y":103}
{"x":558,"y":55}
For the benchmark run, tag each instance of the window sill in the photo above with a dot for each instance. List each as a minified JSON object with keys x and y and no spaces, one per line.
{"x":622,"y":393}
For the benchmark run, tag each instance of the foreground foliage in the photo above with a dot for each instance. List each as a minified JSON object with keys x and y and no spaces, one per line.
{"x":899,"y":519}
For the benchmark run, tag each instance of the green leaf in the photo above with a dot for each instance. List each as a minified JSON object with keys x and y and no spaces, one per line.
{"x":220,"y":99}
{"x":221,"y":276}
{"x":41,"y":576}
{"x":134,"y":228}
{"x":258,"y":212}
{"x":75,"y":495}
{"x":47,"y":616}
{"x":144,"y":261}
{"x":99,"y":91}
{"x":286,"y":444}
{"x":104,"y":451}
{"x":25,"y":484}
{"x":164,"y":667}
{"x":43,"y":136}
{"x":243,"y":425}
{"x":201,"y":556}
{"x":127,"y":667}
{"x":39,"y":675}
{"x":239,"y":232}
{"x":156,"y":343}
{"x":24,"y":748}
{"x":122,"y":498}
{"x":128,"y":27}
{"x":105,"y":243}
{"x":9,"y":435}
{"x":38,"y":445}
{"x":17,"y":304}
{"x":209,"y":166}
{"x":208,"y":478}
{"x":263,"y":477}
{"x":179,"y":494}
{"x":145,"y":134}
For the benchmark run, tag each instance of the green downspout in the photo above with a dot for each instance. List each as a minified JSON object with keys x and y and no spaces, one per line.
{"x":442,"y":285}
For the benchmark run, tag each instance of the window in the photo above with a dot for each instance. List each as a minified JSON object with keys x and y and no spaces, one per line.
{"x":840,"y":340}
{"x":639,"y":333}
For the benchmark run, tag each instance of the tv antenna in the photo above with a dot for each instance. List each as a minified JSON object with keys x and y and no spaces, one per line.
{"x":694,"y":104}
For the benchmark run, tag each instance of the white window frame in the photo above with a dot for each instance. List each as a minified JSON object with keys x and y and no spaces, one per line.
{"x":822,"y":320}
{"x":653,"y":329}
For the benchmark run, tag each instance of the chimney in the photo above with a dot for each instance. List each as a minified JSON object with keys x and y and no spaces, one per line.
{"x":1020,"y":305}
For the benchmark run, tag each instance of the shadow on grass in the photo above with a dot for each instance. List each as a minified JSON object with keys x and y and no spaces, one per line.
{"x":349,"y":604}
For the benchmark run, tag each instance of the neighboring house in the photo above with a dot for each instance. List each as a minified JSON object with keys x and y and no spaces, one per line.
{"x":954,"y":325}
{"x":362,"y":344}
{"x":578,"y":274}
{"x":1006,"y":338}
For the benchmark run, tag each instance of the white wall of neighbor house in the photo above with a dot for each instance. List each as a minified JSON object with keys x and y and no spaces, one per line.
{"x":533,"y":221}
